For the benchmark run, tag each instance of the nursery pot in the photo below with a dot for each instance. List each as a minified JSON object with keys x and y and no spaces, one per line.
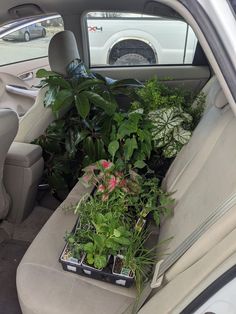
{"x":67,"y":257}
{"x":118,"y":268}
{"x":85,"y":265}
{"x":140,"y":224}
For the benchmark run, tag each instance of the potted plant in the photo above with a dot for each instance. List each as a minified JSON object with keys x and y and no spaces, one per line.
{"x":136,"y":260}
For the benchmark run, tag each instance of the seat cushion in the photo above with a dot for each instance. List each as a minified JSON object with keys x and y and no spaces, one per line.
{"x":45,"y":288}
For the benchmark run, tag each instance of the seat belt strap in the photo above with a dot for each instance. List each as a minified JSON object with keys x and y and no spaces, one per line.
{"x":170,"y":260}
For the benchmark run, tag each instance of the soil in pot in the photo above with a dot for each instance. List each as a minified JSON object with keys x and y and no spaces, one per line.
{"x":68,"y":257}
{"x":119,"y":269}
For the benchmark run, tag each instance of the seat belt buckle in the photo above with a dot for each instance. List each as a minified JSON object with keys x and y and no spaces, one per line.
{"x":156,"y":279}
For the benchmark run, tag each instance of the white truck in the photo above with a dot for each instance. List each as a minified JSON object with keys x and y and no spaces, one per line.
{"x":123,"y":39}
{"x":134,"y":40}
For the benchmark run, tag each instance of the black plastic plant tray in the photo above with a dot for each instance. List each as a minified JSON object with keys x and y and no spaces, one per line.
{"x":104,"y":275}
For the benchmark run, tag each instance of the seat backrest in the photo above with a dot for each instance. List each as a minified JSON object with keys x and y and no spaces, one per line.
{"x":203,"y":176}
{"x":192,"y":157}
{"x":62,"y":50}
{"x":8,"y":129}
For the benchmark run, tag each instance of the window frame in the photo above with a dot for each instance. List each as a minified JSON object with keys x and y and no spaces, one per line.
{"x":202,"y":60}
{"x":24,"y":24}
{"x":212,"y":289}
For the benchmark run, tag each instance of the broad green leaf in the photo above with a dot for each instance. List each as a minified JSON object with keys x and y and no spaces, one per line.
{"x":113,"y":148}
{"x":50,"y":96}
{"x":58,"y":81}
{"x":139,"y":164}
{"x":182,"y":136}
{"x":100,"y":102}
{"x":171,"y":150}
{"x":100,"y":261}
{"x":70,"y":144}
{"x":80,"y":136}
{"x":63,"y":98}
{"x":125,"y":83}
{"x":41,"y":73}
{"x":88,"y":84}
{"x":122,"y":240}
{"x":90,"y":259}
{"x":98,"y":240}
{"x":89,"y":148}
{"x":100,"y":150}
{"x":89,"y":247}
{"x":82,"y":105}
{"x":126,"y":129}
{"x":129,"y":147}
{"x":117,"y":233}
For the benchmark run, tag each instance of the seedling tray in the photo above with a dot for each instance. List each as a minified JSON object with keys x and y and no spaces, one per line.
{"x":77,"y":267}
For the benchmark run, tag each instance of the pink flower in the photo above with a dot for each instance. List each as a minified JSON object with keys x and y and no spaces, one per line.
{"x":101,"y":188}
{"x":112,"y":183}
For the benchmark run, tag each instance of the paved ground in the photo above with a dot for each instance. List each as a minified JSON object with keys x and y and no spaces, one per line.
{"x":13,"y":51}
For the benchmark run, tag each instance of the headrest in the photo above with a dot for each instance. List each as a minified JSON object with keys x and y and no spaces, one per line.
{"x":221,"y":100}
{"x":62,"y":50}
{"x":214,"y":94}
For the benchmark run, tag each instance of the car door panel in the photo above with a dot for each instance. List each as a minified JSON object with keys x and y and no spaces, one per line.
{"x":21,"y":69}
{"x":22,"y":74}
{"x":190,"y":77}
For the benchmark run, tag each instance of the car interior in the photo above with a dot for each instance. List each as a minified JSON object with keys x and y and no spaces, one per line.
{"x":33,"y":222}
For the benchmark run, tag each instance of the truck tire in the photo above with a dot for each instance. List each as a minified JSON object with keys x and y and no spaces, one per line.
{"x":131,"y":59}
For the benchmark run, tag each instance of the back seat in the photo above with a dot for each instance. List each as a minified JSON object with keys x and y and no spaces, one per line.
{"x":203,"y":175}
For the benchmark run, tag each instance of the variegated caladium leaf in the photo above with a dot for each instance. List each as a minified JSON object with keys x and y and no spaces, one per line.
{"x":168,"y":129}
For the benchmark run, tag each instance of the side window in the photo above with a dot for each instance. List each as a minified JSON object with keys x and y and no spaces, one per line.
{"x":218,"y":298}
{"x":118,"y":39}
{"x":222,"y":302}
{"x":27,"y":39}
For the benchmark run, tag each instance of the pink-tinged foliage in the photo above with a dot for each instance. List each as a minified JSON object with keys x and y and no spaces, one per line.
{"x":107,"y":179}
{"x":106,"y":164}
{"x":112,"y":183}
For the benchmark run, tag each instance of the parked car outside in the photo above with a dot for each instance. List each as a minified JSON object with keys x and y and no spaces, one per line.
{"x":27,"y":33}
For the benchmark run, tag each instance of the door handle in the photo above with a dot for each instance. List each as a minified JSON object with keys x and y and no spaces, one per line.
{"x":22,"y":91}
{"x":26,"y":76}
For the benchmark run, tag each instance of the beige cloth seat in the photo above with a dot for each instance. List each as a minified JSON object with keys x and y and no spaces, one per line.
{"x":204,"y":174}
{"x":8,"y":129}
{"x":44,"y":287}
{"x":62,"y":50}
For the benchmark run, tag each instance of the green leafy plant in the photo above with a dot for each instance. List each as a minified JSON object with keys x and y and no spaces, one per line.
{"x":168,"y":130}
{"x":139,"y":259}
{"x":108,"y":238}
{"x":109,"y":181}
{"x":173,"y":112}
{"x":82,"y":135}
{"x":103,"y":230}
{"x":151,"y":199}
{"x":131,"y":139}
